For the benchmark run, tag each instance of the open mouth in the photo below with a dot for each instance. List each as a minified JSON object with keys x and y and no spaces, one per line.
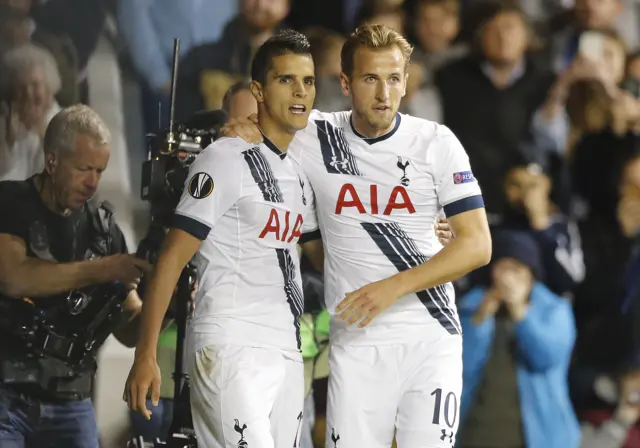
{"x":381,"y":108}
{"x":298,"y":109}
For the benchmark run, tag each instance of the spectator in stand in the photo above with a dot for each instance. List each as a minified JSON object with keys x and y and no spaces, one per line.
{"x":530,"y":208}
{"x":17,"y":28}
{"x":81,"y":21}
{"x":208,"y":71}
{"x":602,"y":15}
{"x":518,"y":338}
{"x":490,"y":96}
{"x":433,"y":27}
{"x":149,"y":27}
{"x":29,"y":79}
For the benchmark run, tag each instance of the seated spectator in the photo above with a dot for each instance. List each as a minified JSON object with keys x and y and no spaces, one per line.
{"x":30,"y":80}
{"x":518,"y":338}
{"x":489,"y":97}
{"x":602,"y":15}
{"x":17,"y":29}
{"x":586,"y":99}
{"x":530,"y":208}
{"x":433,"y":27}
{"x":207,"y":71}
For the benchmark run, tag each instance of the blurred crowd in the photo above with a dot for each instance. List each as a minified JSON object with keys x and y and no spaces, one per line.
{"x":544,"y":96}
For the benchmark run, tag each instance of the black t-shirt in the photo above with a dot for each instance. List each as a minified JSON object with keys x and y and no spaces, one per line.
{"x":49,"y":236}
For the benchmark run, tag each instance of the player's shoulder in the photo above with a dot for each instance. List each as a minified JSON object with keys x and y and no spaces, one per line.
{"x":323,"y":119}
{"x":426,"y":129}
{"x":225,"y":149}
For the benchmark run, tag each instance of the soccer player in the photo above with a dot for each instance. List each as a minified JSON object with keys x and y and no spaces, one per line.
{"x":243,"y":210}
{"x":381,"y":180}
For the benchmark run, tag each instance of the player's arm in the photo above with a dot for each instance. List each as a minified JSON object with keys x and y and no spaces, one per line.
{"x":177,"y":250}
{"x":469,"y":250}
{"x":311,"y":239}
{"x":461,"y":198}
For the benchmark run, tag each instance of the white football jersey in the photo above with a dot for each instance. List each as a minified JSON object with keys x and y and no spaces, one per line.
{"x":377,"y":201}
{"x":249,"y":205}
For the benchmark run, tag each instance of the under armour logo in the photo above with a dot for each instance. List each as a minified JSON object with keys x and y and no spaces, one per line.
{"x":334,"y":438}
{"x":404,"y":180}
{"x":240,"y":430}
{"x":447,"y":435}
{"x":304,"y":199}
{"x":335,"y":162}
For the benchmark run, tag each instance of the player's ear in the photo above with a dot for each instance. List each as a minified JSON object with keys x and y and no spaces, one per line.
{"x":256,"y":91}
{"x":344,"y":83}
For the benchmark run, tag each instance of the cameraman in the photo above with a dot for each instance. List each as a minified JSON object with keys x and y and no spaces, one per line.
{"x":54,"y":241}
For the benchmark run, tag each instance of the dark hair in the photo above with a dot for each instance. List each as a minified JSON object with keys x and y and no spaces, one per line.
{"x":285,"y":42}
{"x":237,"y":87}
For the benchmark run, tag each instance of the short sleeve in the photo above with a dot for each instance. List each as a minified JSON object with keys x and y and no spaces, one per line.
{"x":212,"y":187}
{"x":13,"y":210}
{"x":310,"y":229}
{"x":456,"y":186}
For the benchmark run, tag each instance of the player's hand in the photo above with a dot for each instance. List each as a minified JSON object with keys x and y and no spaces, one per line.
{"x":245,"y":128}
{"x":443,"y":231}
{"x":367,"y":302}
{"x":514,"y":291}
{"x":144,"y":375}
{"x":124,"y":268}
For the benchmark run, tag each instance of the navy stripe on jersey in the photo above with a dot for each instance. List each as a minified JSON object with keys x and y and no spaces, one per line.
{"x":463,"y":205}
{"x":291,"y":289}
{"x":336,"y":154}
{"x":263,"y":175}
{"x":402,"y":251}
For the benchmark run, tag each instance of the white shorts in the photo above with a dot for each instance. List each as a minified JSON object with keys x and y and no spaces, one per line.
{"x":412,"y":390}
{"x":246,"y":397}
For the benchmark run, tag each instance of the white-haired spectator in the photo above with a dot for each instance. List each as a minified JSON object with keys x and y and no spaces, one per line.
{"x":30,"y":80}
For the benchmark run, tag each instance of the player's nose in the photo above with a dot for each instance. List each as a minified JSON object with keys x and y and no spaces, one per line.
{"x":382,"y":93}
{"x":299,"y":90}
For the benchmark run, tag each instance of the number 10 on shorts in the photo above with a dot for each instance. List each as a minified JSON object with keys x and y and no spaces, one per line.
{"x":447,"y":411}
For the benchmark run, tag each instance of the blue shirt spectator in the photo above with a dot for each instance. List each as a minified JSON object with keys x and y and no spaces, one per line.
{"x":518,"y":339}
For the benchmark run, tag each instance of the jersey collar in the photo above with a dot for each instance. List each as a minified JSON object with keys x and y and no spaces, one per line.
{"x":269,"y":144}
{"x":373,"y":140}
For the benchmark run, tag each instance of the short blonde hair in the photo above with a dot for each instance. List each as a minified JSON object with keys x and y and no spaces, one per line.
{"x":373,"y":37}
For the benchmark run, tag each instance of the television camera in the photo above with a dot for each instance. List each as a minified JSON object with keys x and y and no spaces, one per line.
{"x":170,"y":154}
